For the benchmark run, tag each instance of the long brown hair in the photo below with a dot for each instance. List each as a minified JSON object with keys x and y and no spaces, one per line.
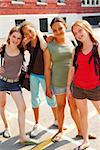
{"x":86,"y":26}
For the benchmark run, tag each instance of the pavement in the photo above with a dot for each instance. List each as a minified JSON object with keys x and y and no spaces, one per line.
{"x":47,"y":129}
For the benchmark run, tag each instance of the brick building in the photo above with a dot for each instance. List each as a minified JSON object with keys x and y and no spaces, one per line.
{"x":41,"y":12}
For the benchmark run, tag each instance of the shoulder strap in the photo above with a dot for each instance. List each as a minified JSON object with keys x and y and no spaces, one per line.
{"x":95,"y":55}
{"x":2,"y":54}
{"x":75,"y":57}
{"x":3,"y":50}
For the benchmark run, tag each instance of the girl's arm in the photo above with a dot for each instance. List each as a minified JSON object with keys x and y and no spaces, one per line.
{"x":70,"y":79}
{"x":47,"y":72}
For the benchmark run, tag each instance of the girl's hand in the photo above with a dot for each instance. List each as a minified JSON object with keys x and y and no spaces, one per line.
{"x":2,"y":70}
{"x":25,"y":41}
{"x":49,"y":93}
{"x":49,"y":38}
{"x":68,"y":92}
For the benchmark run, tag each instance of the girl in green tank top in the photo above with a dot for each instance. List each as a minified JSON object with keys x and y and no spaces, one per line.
{"x":57,"y":58}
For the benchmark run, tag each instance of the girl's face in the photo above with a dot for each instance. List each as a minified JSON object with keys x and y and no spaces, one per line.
{"x":80,"y":33}
{"x":58,"y":29}
{"x":29,"y":32}
{"x":15,"y":38}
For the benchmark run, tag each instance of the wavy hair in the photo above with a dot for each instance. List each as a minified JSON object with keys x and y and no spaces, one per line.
{"x":87,"y":27}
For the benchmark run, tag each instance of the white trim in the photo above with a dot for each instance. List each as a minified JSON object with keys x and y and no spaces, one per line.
{"x":17,"y":2}
{"x":41,"y":3}
{"x":59,"y":3}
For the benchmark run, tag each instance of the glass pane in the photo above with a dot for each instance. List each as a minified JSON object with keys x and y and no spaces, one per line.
{"x":83,"y":2}
{"x":41,"y":1}
{"x":61,"y":1}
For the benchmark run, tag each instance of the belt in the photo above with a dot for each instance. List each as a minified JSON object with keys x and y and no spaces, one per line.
{"x":9,"y":80}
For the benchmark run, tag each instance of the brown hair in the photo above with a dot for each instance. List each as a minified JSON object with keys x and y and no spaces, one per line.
{"x":86,"y":26}
{"x":24,"y":24}
{"x":14,"y":29}
{"x":58,"y":19}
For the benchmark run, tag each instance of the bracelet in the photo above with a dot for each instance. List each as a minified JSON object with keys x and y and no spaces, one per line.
{"x":68,"y":85}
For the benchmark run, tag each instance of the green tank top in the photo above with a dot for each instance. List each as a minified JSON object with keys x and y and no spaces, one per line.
{"x":61,"y":56}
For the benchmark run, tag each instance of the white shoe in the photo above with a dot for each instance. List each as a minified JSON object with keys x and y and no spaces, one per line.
{"x":6,"y":133}
{"x":55,"y":123}
{"x":35,"y":131}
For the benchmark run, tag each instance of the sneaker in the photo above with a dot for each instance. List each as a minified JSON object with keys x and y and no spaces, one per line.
{"x":6,"y":133}
{"x":35,"y":131}
{"x":55,"y":123}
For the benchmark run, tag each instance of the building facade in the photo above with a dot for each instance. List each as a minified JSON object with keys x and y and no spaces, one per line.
{"x":41,"y":12}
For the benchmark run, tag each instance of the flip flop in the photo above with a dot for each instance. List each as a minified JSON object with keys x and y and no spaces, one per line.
{"x":56,"y":137}
{"x":90,"y":136}
{"x":29,"y":142}
{"x":83,"y":148}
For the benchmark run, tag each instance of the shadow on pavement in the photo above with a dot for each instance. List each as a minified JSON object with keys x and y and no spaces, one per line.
{"x":11,"y":144}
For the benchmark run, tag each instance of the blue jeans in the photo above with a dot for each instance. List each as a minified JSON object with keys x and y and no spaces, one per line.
{"x":35,"y":82}
{"x":6,"y":86}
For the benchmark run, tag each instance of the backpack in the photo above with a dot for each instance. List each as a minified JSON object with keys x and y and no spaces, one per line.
{"x":94,"y":56}
{"x":2,"y":54}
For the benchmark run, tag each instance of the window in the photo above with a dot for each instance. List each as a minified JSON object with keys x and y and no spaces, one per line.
{"x":43,"y":24}
{"x":90,"y":3}
{"x":61,"y":1}
{"x":41,"y":1}
{"x":64,"y":19}
{"x":17,"y":1}
{"x":19,"y":21}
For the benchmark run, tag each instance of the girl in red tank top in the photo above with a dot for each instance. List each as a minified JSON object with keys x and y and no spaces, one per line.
{"x":86,"y":81}
{"x":85,"y":76}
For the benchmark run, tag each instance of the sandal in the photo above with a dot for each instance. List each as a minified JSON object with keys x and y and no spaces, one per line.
{"x":83,"y":147}
{"x":90,"y":136}
{"x":6,"y":133}
{"x":28,"y":142}
{"x":56,"y":137}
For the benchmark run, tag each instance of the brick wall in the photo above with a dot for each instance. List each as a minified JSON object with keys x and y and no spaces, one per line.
{"x":31,"y":7}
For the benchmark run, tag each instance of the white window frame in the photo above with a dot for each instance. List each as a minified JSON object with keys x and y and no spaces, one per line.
{"x":43,"y":2}
{"x":90,"y":3}
{"x":17,"y":2}
{"x":61,"y":3}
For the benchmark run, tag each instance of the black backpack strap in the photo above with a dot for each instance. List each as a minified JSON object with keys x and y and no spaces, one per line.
{"x":2,"y":54}
{"x":75,"y":58}
{"x":96,"y":58}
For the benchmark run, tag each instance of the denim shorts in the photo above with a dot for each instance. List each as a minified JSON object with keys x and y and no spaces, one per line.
{"x":80,"y":93}
{"x":59,"y":90}
{"x":6,"y":86}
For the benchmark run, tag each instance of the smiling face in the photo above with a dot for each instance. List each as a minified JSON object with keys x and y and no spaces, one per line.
{"x":80,"y":33}
{"x":15,"y":38}
{"x":29,"y":32}
{"x":58,"y":29}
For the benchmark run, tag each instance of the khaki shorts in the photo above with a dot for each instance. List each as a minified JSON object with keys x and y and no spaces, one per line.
{"x":79,"y":93}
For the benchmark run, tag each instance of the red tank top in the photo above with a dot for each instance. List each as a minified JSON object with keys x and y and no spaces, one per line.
{"x":85,"y":76}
